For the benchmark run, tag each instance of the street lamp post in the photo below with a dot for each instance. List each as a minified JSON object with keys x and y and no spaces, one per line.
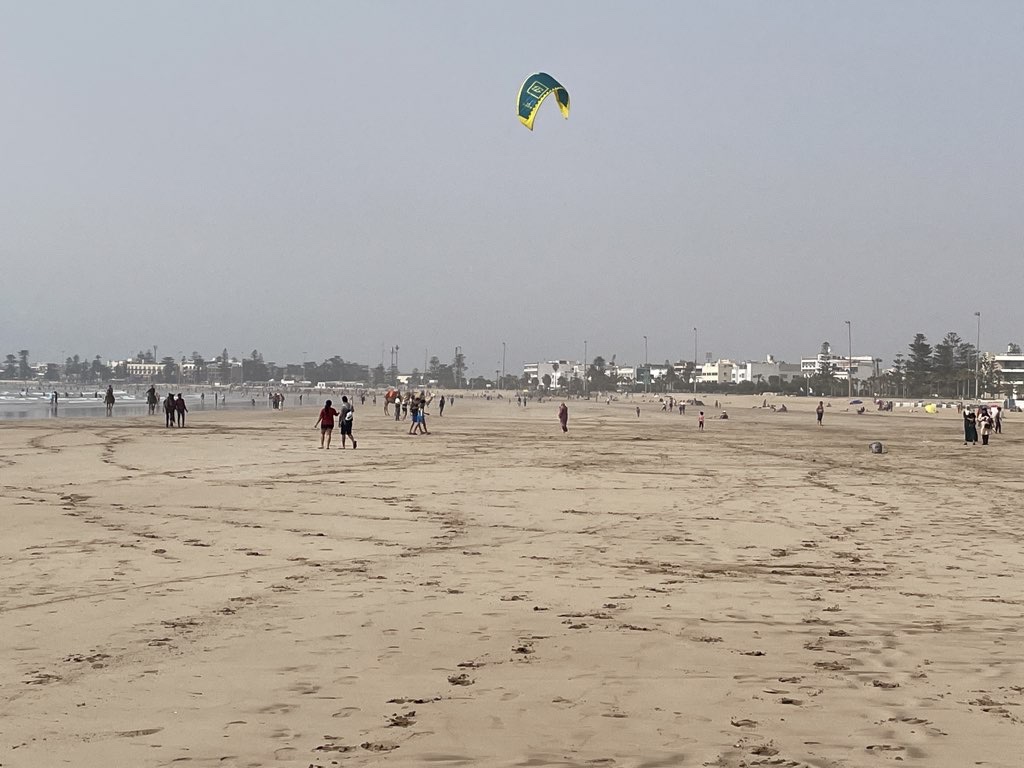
{"x":695,"y":360}
{"x":503,"y":365}
{"x":647,"y":370}
{"x":586,"y":368}
{"x":977,"y":359}
{"x":849,"y":360}
{"x":458,"y":369}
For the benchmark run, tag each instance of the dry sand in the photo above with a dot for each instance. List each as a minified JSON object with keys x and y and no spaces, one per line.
{"x":630,"y":594}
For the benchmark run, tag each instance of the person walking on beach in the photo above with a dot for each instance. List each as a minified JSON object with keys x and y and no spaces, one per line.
{"x":820,"y":411}
{"x":347,"y":415}
{"x":169,"y":410}
{"x":414,"y":414}
{"x":326,"y":423}
{"x":108,"y":400}
{"x":151,"y":399}
{"x":638,"y":411}
{"x":424,"y":400}
{"x":987,"y":425}
{"x":563,"y":417}
{"x":700,"y":422}
{"x":970,"y":427}
{"x":440,"y":406}
{"x":181,"y":409}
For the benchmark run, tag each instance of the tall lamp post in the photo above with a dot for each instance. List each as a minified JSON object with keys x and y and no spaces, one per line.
{"x":977,"y":359}
{"x":647,"y":369}
{"x":586,"y":368}
{"x":503,"y":365}
{"x":849,"y":360}
{"x":458,"y":369}
{"x":695,"y":360}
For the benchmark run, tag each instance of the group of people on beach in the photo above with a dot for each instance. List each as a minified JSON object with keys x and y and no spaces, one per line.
{"x":414,"y":407}
{"x":174,"y":407}
{"x":986,"y":422}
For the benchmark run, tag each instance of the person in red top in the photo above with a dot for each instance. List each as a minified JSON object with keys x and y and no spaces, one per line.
{"x":326,"y":423}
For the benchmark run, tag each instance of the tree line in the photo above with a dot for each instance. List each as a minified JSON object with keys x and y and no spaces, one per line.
{"x":950,"y":368}
{"x":223,"y":369}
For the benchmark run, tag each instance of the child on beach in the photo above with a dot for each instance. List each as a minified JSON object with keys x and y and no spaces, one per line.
{"x":700,"y":422}
{"x":563,"y":417}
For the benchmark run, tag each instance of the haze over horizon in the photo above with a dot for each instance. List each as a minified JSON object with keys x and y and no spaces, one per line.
{"x":319,"y":178}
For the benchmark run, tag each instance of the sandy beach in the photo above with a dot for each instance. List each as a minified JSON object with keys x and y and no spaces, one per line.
{"x":633,"y":593}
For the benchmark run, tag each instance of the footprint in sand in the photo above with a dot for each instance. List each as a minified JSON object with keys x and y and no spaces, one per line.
{"x":139,"y":732}
{"x":334,"y":748}
{"x":276,"y":709}
{"x":884,"y":684}
{"x":378,"y":746}
{"x":401,"y":719}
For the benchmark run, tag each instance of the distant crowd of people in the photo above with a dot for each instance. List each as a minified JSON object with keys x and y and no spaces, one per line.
{"x":413,"y":405}
{"x":979,"y":422}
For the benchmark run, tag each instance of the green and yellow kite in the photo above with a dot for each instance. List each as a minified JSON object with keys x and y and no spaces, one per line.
{"x":534,"y":91}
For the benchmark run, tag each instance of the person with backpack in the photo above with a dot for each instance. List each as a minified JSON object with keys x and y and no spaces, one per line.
{"x":347,"y":415}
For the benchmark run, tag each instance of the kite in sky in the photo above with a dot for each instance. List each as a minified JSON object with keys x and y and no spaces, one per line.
{"x":537,"y":88}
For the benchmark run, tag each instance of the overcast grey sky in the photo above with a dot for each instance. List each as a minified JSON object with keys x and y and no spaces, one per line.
{"x":334,"y":177}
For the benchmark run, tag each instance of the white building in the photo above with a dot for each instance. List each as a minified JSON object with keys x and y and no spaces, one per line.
{"x":140,"y":370}
{"x":762,"y":371}
{"x":560,"y":372}
{"x":860,"y":366}
{"x":717,"y":372}
{"x":623,"y":374}
{"x":1011,"y":371}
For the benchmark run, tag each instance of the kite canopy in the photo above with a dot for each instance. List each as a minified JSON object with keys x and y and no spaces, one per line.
{"x":931,"y":408}
{"x":534,"y":91}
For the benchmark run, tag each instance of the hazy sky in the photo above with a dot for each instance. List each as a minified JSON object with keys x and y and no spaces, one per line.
{"x":334,"y":177}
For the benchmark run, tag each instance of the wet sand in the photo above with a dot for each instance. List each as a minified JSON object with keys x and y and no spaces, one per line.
{"x":630,"y":594}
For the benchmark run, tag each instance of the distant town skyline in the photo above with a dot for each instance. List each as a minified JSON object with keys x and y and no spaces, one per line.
{"x":409,"y":360}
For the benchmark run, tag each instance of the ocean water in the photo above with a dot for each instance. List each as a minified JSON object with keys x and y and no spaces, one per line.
{"x":36,"y":405}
